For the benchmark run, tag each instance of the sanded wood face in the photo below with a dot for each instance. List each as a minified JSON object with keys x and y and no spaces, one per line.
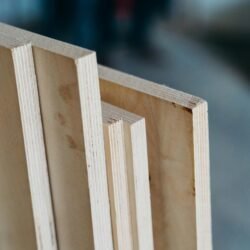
{"x":60,"y":106}
{"x":171,"y":163}
{"x":16,"y":218}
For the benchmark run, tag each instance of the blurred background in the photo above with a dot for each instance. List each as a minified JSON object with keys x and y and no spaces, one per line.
{"x":198,"y":46}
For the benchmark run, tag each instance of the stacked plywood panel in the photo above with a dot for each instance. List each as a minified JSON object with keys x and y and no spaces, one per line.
{"x":77,"y":173}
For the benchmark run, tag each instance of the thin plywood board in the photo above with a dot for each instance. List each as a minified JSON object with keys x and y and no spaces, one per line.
{"x":177,"y":134}
{"x":71,"y":111}
{"x":26,"y":213}
{"x":118,"y":182}
{"x":125,"y":139}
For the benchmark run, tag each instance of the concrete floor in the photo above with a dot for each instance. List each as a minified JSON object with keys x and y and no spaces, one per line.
{"x":189,"y":66}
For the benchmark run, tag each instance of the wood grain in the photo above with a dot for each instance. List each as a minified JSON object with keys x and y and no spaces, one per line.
{"x":177,"y":133}
{"x":25,"y":206}
{"x":71,"y":111}
{"x":118,"y":181}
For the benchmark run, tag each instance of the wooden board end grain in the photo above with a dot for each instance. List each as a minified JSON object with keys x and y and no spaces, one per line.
{"x":118,"y":182}
{"x":25,"y":192}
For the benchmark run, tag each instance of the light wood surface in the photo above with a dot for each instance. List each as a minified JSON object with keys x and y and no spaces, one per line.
{"x":177,"y":134}
{"x":118,"y":180}
{"x":17,"y":229}
{"x":19,"y":86}
{"x":129,"y":132}
{"x":71,"y":111}
{"x":34,"y":147}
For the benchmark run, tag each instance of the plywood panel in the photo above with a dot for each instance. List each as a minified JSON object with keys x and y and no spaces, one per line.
{"x":17,"y":229}
{"x":118,"y":182}
{"x":71,"y":111}
{"x":177,"y":133}
{"x":127,"y":165}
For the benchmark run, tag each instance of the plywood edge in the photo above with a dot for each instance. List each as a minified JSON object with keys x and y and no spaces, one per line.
{"x":160,"y":91}
{"x":113,"y":112}
{"x":50,"y":44}
{"x":16,"y":214}
{"x":10,"y":42}
{"x":202,"y":177}
{"x":34,"y":146}
{"x":118,"y":183}
{"x":138,"y":148}
{"x":94,"y":149}
{"x":135,"y":146}
{"x":110,"y":183}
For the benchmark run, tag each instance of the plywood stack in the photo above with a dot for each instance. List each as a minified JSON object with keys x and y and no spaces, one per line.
{"x":77,"y":173}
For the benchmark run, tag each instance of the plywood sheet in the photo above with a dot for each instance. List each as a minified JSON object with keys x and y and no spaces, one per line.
{"x":71,"y":111}
{"x":133,"y":158}
{"x":177,"y":134}
{"x":22,"y":155}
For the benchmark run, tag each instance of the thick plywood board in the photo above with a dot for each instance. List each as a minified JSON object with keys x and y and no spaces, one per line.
{"x":129,"y":132}
{"x":71,"y":111}
{"x":177,"y":134}
{"x":24,"y":185}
